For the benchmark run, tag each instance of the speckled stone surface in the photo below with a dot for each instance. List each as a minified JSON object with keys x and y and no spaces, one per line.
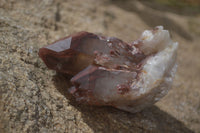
{"x":34,"y":99}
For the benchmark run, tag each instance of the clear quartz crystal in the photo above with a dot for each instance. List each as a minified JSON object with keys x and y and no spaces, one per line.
{"x":108,"y":71}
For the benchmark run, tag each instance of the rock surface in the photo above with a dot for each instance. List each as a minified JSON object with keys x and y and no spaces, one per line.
{"x":34,"y":99}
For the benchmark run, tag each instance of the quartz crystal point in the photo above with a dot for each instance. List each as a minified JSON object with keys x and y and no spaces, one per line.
{"x":108,"y":71}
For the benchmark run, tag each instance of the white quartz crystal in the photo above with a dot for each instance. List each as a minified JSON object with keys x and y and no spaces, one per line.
{"x":159,"y":69}
{"x":159,"y":65}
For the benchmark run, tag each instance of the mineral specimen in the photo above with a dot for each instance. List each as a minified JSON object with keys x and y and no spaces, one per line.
{"x":108,"y":71}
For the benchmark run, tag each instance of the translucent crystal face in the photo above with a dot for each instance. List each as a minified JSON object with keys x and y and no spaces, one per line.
{"x":60,"y":46}
{"x":108,"y":71}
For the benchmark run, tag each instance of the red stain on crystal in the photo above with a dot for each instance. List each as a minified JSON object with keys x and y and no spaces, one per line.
{"x":123,"y":89}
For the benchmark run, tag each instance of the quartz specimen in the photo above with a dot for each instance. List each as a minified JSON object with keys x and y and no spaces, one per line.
{"x":107,"y":71}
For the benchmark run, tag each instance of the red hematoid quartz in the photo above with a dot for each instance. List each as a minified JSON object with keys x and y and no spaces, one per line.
{"x":108,"y":71}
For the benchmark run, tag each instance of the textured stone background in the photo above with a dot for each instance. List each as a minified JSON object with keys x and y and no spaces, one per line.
{"x":34,"y":99}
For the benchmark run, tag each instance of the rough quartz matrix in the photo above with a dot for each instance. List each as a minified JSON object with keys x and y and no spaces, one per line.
{"x":108,"y":71}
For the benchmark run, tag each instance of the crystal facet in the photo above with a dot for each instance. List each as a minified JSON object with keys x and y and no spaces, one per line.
{"x":108,"y":71}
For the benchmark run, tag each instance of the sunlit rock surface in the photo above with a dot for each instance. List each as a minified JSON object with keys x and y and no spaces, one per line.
{"x":108,"y":71}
